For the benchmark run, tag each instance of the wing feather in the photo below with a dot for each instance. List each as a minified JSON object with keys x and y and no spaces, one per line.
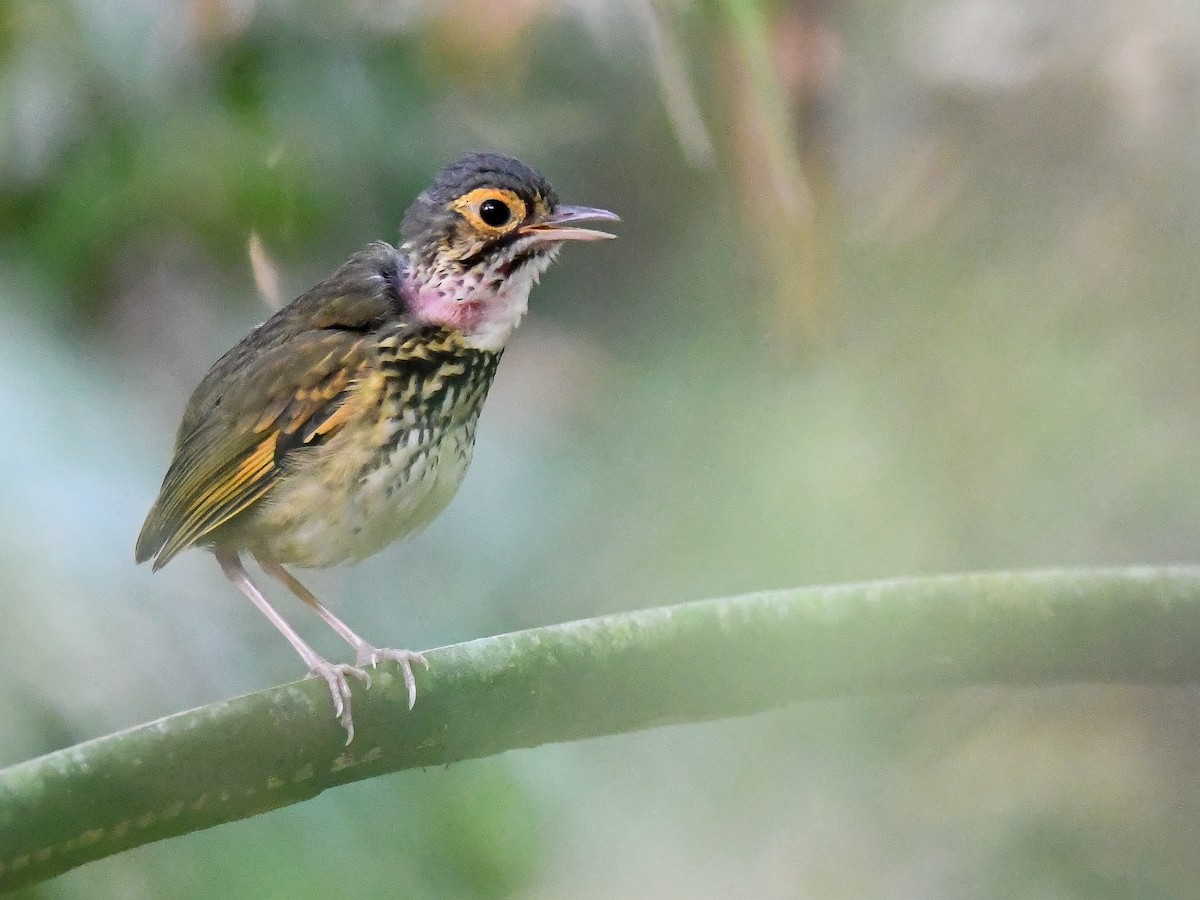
{"x":289,"y":398}
{"x":282,"y":389}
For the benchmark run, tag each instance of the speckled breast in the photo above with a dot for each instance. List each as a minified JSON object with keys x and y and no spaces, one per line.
{"x":396,"y":467}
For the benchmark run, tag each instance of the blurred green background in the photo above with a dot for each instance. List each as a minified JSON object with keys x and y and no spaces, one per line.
{"x":901,"y":289}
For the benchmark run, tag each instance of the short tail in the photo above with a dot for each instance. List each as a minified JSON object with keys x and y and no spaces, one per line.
{"x":150,"y":540}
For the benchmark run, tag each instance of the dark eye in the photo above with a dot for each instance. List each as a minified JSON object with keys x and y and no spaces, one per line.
{"x":494,"y":212}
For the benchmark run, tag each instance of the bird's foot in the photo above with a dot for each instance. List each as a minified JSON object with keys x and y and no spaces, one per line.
{"x":373,"y":656}
{"x":335,"y":675}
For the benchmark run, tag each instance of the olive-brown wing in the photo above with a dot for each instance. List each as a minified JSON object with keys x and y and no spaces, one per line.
{"x":285,"y":398}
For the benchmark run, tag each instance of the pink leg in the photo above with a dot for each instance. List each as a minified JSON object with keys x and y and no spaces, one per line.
{"x":365,"y":654}
{"x":335,"y":674}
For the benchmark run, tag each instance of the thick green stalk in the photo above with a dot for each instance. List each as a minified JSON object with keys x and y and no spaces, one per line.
{"x":684,"y":663}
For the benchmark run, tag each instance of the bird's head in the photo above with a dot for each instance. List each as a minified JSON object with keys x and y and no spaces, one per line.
{"x":477,"y":240}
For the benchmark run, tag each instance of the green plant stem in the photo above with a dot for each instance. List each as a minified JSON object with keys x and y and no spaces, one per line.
{"x":686,"y":663}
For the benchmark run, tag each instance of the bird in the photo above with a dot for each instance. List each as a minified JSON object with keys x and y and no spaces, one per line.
{"x":347,"y":419}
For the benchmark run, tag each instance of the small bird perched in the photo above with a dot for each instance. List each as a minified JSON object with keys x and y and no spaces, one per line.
{"x":347,"y":419}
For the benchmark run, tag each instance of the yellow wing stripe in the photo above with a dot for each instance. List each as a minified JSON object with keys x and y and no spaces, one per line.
{"x":212,"y":508}
{"x":216,"y":476}
{"x":249,"y":469}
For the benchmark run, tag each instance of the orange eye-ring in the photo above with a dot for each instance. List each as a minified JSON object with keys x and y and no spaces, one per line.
{"x":491,"y":210}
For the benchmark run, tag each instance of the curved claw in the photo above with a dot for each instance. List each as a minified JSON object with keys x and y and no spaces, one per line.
{"x":335,"y":675}
{"x":372,"y":656}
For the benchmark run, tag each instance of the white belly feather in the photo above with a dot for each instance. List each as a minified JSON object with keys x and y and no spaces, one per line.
{"x":323,"y":521}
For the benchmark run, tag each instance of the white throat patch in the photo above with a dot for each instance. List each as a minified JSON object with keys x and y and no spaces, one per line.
{"x":486,"y":304}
